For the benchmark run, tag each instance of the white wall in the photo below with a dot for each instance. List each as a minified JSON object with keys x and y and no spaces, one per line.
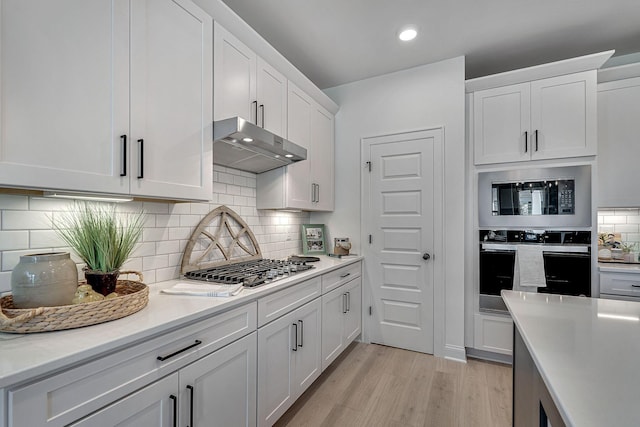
{"x":25,"y":227}
{"x":418,"y":98}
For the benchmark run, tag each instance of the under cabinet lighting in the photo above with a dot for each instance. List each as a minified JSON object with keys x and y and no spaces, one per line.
{"x":85,"y":196}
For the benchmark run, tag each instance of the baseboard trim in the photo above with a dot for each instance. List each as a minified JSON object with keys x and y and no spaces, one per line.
{"x":487,"y":355}
{"x":455,"y":352}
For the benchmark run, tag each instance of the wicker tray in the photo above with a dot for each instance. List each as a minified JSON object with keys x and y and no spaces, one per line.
{"x":133,"y":296}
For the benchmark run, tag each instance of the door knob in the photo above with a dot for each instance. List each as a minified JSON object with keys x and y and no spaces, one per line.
{"x":426,"y":256}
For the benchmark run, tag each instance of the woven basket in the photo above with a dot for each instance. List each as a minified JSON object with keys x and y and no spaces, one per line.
{"x":132,"y":297}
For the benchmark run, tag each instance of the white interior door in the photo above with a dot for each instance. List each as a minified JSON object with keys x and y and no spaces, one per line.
{"x":402,"y":205}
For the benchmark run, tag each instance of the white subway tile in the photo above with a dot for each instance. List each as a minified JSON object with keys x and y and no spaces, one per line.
{"x":633,"y":219}
{"x":219,"y":168}
{"x":180,"y":209}
{"x":129,"y":207}
{"x":164,"y":221}
{"x":234,"y":190}
{"x":606,"y":212}
{"x":180,"y":233}
{"x":149,"y":276}
{"x":633,"y":237}
{"x":615,"y":219}
{"x":225,"y":178}
{"x":132,"y":264}
{"x":200,"y":208}
{"x":156,"y":208}
{"x":219,"y":187}
{"x":5,"y":282}
{"x":626,"y":212}
{"x":10,"y":201}
{"x":240,"y":181}
{"x":626,"y":228}
{"x":225,"y":199}
{"x":149,"y":221}
{"x":251,"y":182}
{"x":26,"y":220}
{"x":605,"y":228}
{"x":248,"y":192}
{"x":144,"y":249}
{"x":44,"y":239}
{"x":14,"y":240}
{"x":167,"y":247}
{"x":189,"y":220}
{"x":239,"y":201}
{"x":175,"y":259}
{"x":169,"y":273}
{"x":155,"y":262}
{"x":154,"y":234}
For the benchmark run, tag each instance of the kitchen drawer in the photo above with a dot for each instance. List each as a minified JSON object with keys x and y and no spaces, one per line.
{"x":625,"y":284}
{"x":280,"y":303}
{"x":340,"y":276}
{"x":75,"y":393}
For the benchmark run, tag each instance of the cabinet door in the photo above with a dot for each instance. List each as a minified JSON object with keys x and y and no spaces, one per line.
{"x":223,"y":387}
{"x":171,"y":94}
{"x":321,"y":158}
{"x":64,"y":94}
{"x":275,"y":369}
{"x":353,"y":318}
{"x":501,"y":119}
{"x":298,"y":175}
{"x":618,"y":148}
{"x":234,"y":77}
{"x":334,"y":306}
{"x":272,"y":98}
{"x":152,"y":406}
{"x":308,"y":358}
{"x":564,"y":114}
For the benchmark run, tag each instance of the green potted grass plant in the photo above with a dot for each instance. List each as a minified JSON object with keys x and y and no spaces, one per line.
{"x":103,"y":238}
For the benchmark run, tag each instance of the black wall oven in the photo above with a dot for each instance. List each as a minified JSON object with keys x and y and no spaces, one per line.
{"x":566,"y":262}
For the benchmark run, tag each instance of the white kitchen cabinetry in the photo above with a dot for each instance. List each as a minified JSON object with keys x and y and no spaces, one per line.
{"x":493,"y":333}
{"x":247,"y":86}
{"x":620,"y":284}
{"x":544,"y":119}
{"x":290,"y":354}
{"x":70,"y":395}
{"x":341,"y":319}
{"x":618,"y":148}
{"x":309,"y":184}
{"x":113,"y":98}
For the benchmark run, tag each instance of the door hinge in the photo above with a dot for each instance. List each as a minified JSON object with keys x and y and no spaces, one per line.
{"x":370,"y":239}
{"x":369,"y":166}
{"x":370,"y":310}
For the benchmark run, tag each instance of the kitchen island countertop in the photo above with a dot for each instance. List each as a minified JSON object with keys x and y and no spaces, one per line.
{"x":25,"y":357}
{"x":586,"y":351}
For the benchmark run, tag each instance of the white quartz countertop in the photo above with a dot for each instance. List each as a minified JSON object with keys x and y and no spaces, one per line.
{"x":587,"y":351}
{"x":25,"y":357}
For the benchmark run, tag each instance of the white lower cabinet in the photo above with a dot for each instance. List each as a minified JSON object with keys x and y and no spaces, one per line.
{"x":493,"y":333}
{"x":289,"y":360}
{"x":153,"y":406}
{"x":341,"y":319}
{"x":217,"y":390}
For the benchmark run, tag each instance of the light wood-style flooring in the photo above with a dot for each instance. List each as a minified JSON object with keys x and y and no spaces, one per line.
{"x":373,"y":385}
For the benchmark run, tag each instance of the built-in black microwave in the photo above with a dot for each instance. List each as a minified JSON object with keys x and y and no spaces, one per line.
{"x":536,"y":197}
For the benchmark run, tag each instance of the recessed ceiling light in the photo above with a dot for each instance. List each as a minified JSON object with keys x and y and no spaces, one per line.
{"x":407,"y":34}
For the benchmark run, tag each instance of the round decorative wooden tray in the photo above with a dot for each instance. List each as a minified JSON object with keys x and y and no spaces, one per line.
{"x":132,"y":297}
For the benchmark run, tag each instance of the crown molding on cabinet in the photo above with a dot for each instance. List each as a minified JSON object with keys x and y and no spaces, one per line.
{"x":620,"y":72}
{"x":247,"y":35}
{"x":543,"y":71}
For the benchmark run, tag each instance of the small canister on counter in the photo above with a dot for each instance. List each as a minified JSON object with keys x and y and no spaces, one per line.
{"x":44,"y":280}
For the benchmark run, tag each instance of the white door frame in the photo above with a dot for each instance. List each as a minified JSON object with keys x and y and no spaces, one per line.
{"x":438,"y":257}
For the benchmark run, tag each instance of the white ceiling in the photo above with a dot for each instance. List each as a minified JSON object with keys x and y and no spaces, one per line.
{"x":339,"y":41}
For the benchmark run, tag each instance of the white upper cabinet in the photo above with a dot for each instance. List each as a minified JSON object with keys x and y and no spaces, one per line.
{"x":64,"y":94}
{"x":544,"y":119}
{"x":171,"y":90}
{"x":115,"y":90}
{"x":247,"y":86}
{"x":618,"y":147}
{"x":308,"y":184}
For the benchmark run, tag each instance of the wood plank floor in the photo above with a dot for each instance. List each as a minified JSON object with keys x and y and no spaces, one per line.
{"x":373,"y":385}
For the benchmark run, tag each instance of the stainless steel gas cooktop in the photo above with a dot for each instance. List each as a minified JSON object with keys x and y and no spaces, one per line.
{"x":250,"y":273}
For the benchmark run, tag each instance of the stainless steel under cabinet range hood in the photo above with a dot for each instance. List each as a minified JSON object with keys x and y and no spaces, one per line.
{"x":240,"y":144}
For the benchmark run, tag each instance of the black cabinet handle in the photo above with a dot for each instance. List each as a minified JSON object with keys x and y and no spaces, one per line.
{"x":141,"y":164}
{"x":536,"y":140}
{"x":168,"y":356}
{"x":301,"y":333}
{"x":526,"y":141}
{"x":318,"y":193}
{"x":123,"y":169}
{"x":295,"y":347}
{"x":175,"y":410}
{"x":348,"y":301}
{"x":345,"y":275}
{"x":635,"y":286}
{"x":344,"y":303}
{"x":255,"y":109}
{"x":261,"y":114}
{"x":191,"y":392}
